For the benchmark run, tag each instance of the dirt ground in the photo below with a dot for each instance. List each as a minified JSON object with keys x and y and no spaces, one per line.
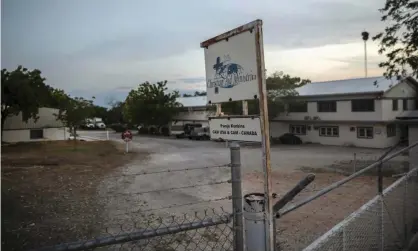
{"x":48,"y":190}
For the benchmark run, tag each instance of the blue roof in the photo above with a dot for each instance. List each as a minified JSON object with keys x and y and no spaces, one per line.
{"x":347,"y":86}
{"x":193,"y":101}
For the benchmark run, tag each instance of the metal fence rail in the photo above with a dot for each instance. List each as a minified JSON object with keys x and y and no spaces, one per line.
{"x":384,"y":223}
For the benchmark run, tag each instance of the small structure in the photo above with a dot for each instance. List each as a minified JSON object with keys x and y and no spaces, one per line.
{"x":47,"y":127}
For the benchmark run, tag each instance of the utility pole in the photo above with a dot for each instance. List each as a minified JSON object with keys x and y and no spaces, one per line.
{"x":365,"y":36}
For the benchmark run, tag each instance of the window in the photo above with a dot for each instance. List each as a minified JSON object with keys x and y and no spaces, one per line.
{"x":36,"y":134}
{"x":329,"y":131}
{"x":298,"y":107}
{"x":327,"y":106}
{"x":365,"y":132}
{"x":362,"y":105}
{"x":394,"y":105}
{"x":405,"y":104}
{"x":298,"y":129}
{"x":391,"y":130}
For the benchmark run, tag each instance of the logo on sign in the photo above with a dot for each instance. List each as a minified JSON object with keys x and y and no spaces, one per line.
{"x":228,"y":74}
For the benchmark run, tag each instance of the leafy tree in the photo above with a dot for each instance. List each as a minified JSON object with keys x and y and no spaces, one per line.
{"x":151,"y":104}
{"x":100,"y":112}
{"x":280,"y":87}
{"x":73,"y":112}
{"x":197,"y":93}
{"x":399,"y":41}
{"x":115,"y":113}
{"x":22,"y":91}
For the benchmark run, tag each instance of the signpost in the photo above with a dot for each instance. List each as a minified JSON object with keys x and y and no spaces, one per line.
{"x":127,"y":136}
{"x":234,"y":63}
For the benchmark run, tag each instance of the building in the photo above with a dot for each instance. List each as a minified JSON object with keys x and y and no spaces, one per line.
{"x":47,"y":127}
{"x":358,"y":112}
{"x":195,"y":111}
{"x":354,"y":112}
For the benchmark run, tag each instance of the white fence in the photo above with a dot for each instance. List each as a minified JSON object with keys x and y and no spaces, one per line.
{"x":384,"y":223}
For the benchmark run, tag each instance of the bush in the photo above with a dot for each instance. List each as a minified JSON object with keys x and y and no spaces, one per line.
{"x":290,"y":139}
{"x":165,"y":131}
{"x":118,"y":127}
{"x":143,"y":130}
{"x":153,"y":130}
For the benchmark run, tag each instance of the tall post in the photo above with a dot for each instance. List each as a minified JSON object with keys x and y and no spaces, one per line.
{"x":237,"y":196}
{"x":244,"y":107}
{"x":382,"y":209}
{"x":265,"y":139}
{"x":365,"y":57}
{"x":107,"y":134}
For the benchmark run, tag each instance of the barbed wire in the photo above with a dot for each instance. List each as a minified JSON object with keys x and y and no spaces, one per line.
{"x":169,"y":171}
{"x":167,"y":189}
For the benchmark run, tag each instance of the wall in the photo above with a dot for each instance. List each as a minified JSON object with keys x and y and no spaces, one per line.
{"x":343,"y":113}
{"x":346,"y":137}
{"x":46,"y":119}
{"x":194,"y":115}
{"x":24,"y":135}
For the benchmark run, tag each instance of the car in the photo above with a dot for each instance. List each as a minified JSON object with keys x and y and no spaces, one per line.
{"x":200,"y":133}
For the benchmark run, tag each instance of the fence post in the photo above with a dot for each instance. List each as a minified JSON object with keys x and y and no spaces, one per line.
{"x":355,"y":163}
{"x":237,"y":196}
{"x":382,"y":209}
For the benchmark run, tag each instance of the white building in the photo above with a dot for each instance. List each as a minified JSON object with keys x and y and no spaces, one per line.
{"x":195,"y":111}
{"x":355,"y":112}
{"x":47,"y":127}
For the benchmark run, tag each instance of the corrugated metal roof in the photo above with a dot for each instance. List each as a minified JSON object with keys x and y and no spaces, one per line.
{"x":193,"y":101}
{"x":46,"y":119}
{"x":347,"y":86}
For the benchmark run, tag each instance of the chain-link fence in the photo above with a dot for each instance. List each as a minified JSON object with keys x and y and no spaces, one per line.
{"x":384,"y":223}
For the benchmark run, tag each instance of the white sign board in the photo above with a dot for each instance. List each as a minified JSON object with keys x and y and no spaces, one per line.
{"x":237,"y":129}
{"x":231,"y":69}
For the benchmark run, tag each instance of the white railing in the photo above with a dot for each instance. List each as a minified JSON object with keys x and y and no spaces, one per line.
{"x":384,"y":223}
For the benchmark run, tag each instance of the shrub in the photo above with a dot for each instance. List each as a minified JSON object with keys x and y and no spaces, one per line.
{"x":291,"y":139}
{"x":143,"y":130}
{"x":165,"y":131}
{"x":118,"y":127}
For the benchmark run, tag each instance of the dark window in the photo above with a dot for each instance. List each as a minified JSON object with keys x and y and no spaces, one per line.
{"x":298,"y":107}
{"x":37,"y":134}
{"x":298,"y":129}
{"x":394,"y":105}
{"x":327,"y":106}
{"x":365,"y":132}
{"x":405,"y":104}
{"x":391,"y":130}
{"x":329,"y":131}
{"x":362,"y":105}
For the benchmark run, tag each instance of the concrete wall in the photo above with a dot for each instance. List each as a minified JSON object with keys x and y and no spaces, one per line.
{"x":24,"y":135}
{"x":346,"y":137}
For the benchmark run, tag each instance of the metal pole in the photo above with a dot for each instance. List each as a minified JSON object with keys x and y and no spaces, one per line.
{"x":345,"y":180}
{"x":107,"y":134}
{"x":365,"y":57}
{"x":237,"y":197}
{"x":264,"y":123}
{"x":127,"y":146}
{"x":355,"y":163}
{"x":244,"y":107}
{"x":382,"y":211}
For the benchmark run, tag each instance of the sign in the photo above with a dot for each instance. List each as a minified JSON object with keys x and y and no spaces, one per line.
{"x":236,"y":129}
{"x":231,"y":67}
{"x":127,"y":136}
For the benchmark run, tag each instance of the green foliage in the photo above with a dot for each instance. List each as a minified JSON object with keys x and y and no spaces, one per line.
{"x":185,"y":95}
{"x":73,"y":112}
{"x":280,"y":88}
{"x":100,"y":112}
{"x":399,"y":40}
{"x":115,"y":113}
{"x":196,"y":94}
{"x":151,"y":104}
{"x":22,"y":91}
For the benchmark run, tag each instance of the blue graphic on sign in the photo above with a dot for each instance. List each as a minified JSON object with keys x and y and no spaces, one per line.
{"x":228,"y":75}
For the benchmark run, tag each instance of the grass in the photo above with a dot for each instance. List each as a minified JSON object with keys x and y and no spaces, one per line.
{"x":49,"y":190}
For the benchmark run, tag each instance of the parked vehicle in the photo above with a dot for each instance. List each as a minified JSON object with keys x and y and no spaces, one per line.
{"x":95,"y":123}
{"x":200,"y":133}
{"x":178,"y":131}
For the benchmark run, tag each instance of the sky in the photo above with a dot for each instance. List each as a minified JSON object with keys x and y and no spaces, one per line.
{"x":105,"y":48}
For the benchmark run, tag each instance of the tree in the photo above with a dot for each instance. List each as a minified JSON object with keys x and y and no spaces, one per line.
{"x":185,"y":95}
{"x":280,"y":87}
{"x":115,"y":113}
{"x":151,"y":104}
{"x":399,"y":41}
{"x":22,"y":91}
{"x":73,"y":112}
{"x":198,"y":94}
